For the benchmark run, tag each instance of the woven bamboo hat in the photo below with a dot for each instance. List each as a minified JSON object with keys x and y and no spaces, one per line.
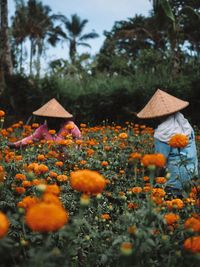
{"x":53,"y":109}
{"x":161,"y":104}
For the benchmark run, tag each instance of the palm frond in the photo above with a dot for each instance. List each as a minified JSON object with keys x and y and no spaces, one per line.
{"x":87,"y":36}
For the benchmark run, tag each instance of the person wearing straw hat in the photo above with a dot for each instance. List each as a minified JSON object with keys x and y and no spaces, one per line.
{"x":165,"y":109}
{"x":55,"y":117}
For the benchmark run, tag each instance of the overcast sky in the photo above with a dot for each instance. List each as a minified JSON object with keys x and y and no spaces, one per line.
{"x":101,"y":15}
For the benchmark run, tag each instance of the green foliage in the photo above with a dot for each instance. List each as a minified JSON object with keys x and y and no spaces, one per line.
{"x":88,"y":239}
{"x":104,"y":96}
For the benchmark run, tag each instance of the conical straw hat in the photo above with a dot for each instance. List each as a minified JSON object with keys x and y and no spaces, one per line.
{"x":161,"y":104}
{"x":53,"y":109}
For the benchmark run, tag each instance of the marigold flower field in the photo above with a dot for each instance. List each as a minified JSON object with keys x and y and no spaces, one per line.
{"x":93,"y":202}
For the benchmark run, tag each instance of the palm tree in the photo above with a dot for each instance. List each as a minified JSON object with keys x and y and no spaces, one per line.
{"x":18,"y":30}
{"x":75,"y":28}
{"x":38,"y":26}
{"x":173,"y":20}
{"x":5,"y":54}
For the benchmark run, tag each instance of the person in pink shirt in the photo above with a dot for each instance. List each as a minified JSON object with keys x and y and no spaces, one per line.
{"x":56,"y":118}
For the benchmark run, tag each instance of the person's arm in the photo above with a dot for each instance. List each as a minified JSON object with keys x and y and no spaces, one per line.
{"x":36,"y":136}
{"x":76,"y":134}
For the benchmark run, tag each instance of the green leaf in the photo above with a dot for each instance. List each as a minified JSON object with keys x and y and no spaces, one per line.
{"x":167,"y":9}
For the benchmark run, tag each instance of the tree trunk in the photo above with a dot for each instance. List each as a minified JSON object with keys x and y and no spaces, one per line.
{"x":72,"y":51}
{"x":31,"y":58}
{"x":21,"y":58}
{"x":6,"y":52}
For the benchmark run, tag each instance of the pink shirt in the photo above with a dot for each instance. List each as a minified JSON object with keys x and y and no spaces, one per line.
{"x":42,"y":132}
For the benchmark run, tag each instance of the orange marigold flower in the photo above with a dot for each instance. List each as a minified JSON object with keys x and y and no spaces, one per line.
{"x":41,"y":157}
{"x":157,"y":200}
{"x":52,"y":132}
{"x":83,"y":162}
{"x":83,"y":125}
{"x":16,"y":125}
{"x":79,"y":142}
{"x":69,"y":126}
{"x":157,"y":160}
{"x":160,"y":180}
{"x":175,"y":203}
{"x":62,"y":178}
{"x":27,"y":202}
{"x":46,"y":217}
{"x":53,"y":189}
{"x":2,"y":113}
{"x":107,"y":148}
{"x":192,"y":244}
{"x":4,"y":224}
{"x":105,"y":216}
{"x":147,"y":188}
{"x":132,"y":229}
{"x":87,"y":181}
{"x":136,"y":189}
{"x":51,"y":198}
{"x":135,"y":156}
{"x":36,"y":182}
{"x":35,"y":125}
{"x":104,"y":163}
{"x":146,"y":179}
{"x":53,"y":174}
{"x":4,"y":132}
{"x":126,"y":248}
{"x":26,"y":183}
{"x":42,"y":168}
{"x":18,"y":158}
{"x":123,"y":136}
{"x":20,"y":177}
{"x":20,"y":190}
{"x":59,"y":164}
{"x":179,"y":141}
{"x":171,"y":218}
{"x":90,"y":152}
{"x":193,"y":223}
{"x":158,"y":192}
{"x":132,"y":205}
